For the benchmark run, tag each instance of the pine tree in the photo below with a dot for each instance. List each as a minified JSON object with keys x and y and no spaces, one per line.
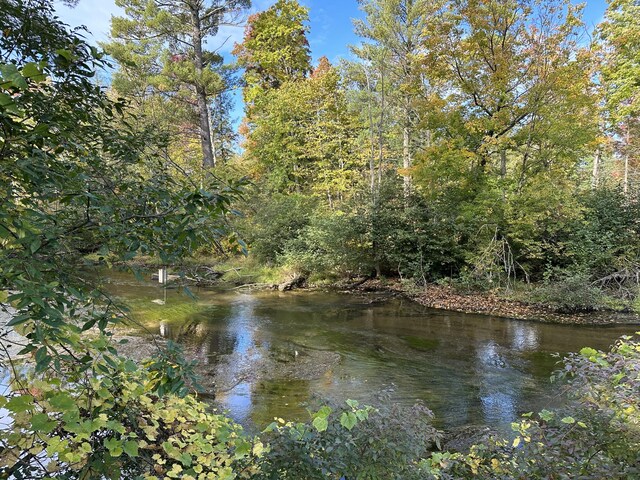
{"x":161,"y":46}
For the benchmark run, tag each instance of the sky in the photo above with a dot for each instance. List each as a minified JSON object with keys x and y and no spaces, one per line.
{"x":330,"y":23}
{"x":331,"y":27}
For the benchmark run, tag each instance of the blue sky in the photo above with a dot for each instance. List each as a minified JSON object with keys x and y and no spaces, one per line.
{"x":331,"y":22}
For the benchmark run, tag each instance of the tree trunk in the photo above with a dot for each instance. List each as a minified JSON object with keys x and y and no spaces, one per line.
{"x":626,"y":161}
{"x":203,"y":107}
{"x":214,"y":151}
{"x":381,"y":126}
{"x":406,"y":154}
{"x":595,"y":177}
{"x":372,"y":137}
{"x":503,"y":172}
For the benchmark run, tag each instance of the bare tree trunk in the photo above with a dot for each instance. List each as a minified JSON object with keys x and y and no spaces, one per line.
{"x":372,"y":137}
{"x":381,"y":126}
{"x":203,"y":107}
{"x":406,"y":156}
{"x":595,"y":177}
{"x":503,"y":172}
{"x":627,"y":153}
{"x":214,"y":150}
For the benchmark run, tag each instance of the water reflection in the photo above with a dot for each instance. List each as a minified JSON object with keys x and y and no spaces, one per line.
{"x":466,"y":368}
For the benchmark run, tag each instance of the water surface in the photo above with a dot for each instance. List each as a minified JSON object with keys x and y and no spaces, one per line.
{"x":469,"y":369}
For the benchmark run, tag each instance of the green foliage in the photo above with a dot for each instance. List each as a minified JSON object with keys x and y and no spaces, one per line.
{"x":275,"y":49}
{"x":414,"y":239}
{"x":169,"y":373}
{"x":621,"y":67}
{"x":164,"y":64}
{"x":569,"y":292}
{"x":334,"y":244}
{"x":605,"y":238}
{"x":276,"y":224}
{"x":114,"y":420}
{"x":303,"y":138}
{"x":79,"y":176}
{"x":597,"y":437}
{"x":350,"y":442}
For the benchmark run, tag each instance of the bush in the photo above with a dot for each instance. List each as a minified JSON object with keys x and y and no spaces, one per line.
{"x":597,"y":436}
{"x":569,"y":292}
{"x":413,"y":239}
{"x":276,"y":224}
{"x":334,"y":244}
{"x":108,"y":419}
{"x":351,"y":442}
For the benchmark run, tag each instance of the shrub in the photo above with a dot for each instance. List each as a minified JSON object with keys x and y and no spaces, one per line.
{"x":352,"y":442}
{"x":597,"y":436}
{"x":413,"y":239}
{"x":275,"y":224}
{"x":333,"y":244}
{"x":569,"y":292}
{"x":109,"y":420}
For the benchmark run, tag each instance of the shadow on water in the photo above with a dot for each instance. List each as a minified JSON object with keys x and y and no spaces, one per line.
{"x":468,"y":369}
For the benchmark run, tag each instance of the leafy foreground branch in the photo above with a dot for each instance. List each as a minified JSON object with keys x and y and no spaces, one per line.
{"x":109,"y":421}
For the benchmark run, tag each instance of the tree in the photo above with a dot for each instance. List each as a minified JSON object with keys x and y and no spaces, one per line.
{"x":79,"y":176}
{"x":303,"y":138}
{"x":620,"y":70}
{"x":274,"y":49}
{"x":399,"y":30}
{"x":161,"y":44}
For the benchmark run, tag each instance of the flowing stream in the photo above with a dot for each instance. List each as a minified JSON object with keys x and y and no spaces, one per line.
{"x":274,"y":353}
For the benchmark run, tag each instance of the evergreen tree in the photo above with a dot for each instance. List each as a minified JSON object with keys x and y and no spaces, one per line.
{"x":161,"y":48}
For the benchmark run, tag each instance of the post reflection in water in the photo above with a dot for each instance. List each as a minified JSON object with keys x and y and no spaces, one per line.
{"x":466,"y":368}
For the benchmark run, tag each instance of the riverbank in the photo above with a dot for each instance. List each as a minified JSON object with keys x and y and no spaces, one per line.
{"x":446,"y":297}
{"x":246,"y":273}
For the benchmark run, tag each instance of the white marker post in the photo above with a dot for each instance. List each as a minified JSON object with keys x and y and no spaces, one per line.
{"x":162,"y":276}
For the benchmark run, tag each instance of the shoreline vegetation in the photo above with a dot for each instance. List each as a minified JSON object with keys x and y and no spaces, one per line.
{"x":245,"y":273}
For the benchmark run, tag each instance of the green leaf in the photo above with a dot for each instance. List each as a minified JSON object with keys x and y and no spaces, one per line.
{"x":185,"y":459}
{"x":18,"y":319}
{"x":63,"y":402}
{"x":5,"y":100}
{"x":588,"y":352}
{"x":31,"y":70}
{"x":35,"y":245}
{"x":568,"y":420}
{"x":41,"y":422}
{"x":115,"y":450}
{"x":320,"y":423}
{"x":131,"y":448}
{"x":348,"y":420}
{"x":546,"y":415}
{"x":20,"y":404}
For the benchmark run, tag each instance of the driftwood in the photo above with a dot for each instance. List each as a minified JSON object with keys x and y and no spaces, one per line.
{"x":296,"y":282}
{"x":353,"y":286}
{"x":626,"y":281}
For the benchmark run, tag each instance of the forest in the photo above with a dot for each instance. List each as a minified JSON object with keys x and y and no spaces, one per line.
{"x":489,"y":146}
{"x":485,"y":145}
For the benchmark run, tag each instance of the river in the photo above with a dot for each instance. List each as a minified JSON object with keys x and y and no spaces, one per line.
{"x":468,"y":369}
